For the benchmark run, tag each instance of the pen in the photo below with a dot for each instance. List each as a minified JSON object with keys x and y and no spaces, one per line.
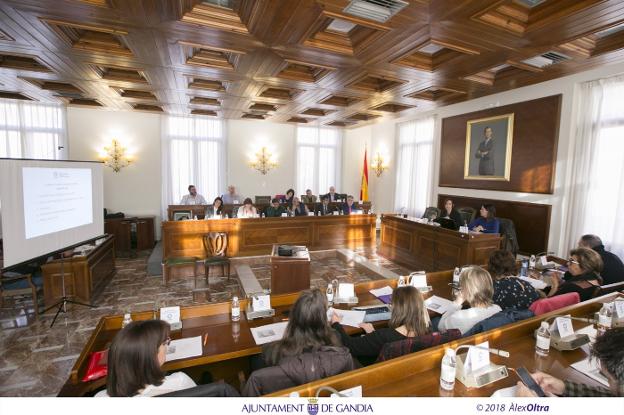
{"x":205,"y":339}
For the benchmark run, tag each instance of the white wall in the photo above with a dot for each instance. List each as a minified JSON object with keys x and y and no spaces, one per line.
{"x":383,"y":134}
{"x":136,"y":189}
{"x":245,"y":138}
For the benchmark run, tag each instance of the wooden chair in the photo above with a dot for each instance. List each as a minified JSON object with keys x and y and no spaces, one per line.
{"x":179,"y":262}
{"x":215,"y":247}
{"x":19,"y":285}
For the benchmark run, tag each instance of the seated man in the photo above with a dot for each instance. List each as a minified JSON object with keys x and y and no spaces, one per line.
{"x":349,"y":206}
{"x":193,"y":198}
{"x":309,"y":197}
{"x":332,"y":195}
{"x":613,"y":268}
{"x":231,"y":197}
{"x":609,"y":352}
{"x":275,"y":210}
{"x":323,"y":208}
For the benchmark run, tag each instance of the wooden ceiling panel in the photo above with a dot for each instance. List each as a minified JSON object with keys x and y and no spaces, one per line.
{"x":296,"y":59}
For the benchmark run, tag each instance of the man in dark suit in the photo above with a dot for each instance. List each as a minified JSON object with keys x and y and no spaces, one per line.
{"x":349,"y":206}
{"x":332,"y":195}
{"x":323,"y":208}
{"x":613,"y":268}
{"x":485,"y":154}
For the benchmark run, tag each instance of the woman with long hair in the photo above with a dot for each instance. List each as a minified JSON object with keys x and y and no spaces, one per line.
{"x":486,"y":222}
{"x":409,"y":318}
{"x":583,"y":276}
{"x":135,"y":361}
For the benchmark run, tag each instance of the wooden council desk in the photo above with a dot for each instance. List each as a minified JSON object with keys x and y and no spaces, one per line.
{"x":229,"y":344}
{"x":256,"y":236}
{"x":433,"y":248}
{"x":418,"y":374}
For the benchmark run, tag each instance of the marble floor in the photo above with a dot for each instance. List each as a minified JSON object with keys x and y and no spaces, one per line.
{"x":35,"y":359}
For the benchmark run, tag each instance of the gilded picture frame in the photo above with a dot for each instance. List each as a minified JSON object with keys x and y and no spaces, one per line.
{"x":488,"y":148}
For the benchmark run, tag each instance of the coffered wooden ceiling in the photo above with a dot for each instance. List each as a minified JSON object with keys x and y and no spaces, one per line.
{"x":298,"y":61}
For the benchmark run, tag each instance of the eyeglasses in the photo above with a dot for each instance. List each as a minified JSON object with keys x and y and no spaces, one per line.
{"x":572,"y":261}
{"x":167,"y":342}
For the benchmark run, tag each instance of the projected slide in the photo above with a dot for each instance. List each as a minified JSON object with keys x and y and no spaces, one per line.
{"x":56,"y":199}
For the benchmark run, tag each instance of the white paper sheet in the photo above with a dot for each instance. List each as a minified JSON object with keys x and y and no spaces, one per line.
{"x":378,"y":292}
{"x":478,"y":357}
{"x":346,"y":290}
{"x":351,"y":318}
{"x":269,"y":333}
{"x":438,"y":304}
{"x":184,"y":348}
{"x":537,"y":284}
{"x":589,"y":368}
{"x":419,"y":280}
{"x":509,"y":392}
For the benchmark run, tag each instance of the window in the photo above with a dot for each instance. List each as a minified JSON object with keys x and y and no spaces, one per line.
{"x":35,"y":131}
{"x":319,"y":159}
{"x":193,"y":152}
{"x":415,"y":151}
{"x":604,"y":188}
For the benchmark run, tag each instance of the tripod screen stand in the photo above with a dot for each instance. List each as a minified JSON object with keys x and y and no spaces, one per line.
{"x":62,"y":303}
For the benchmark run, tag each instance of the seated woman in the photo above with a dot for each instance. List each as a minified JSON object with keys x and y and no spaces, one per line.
{"x":509,"y":290}
{"x":298,"y":208}
{"x":584,"y":267}
{"x":486,"y":222}
{"x":135,"y":359}
{"x":216,"y":209}
{"x":476,"y":288}
{"x":247,"y":210}
{"x":288,"y":198}
{"x":409,"y":319}
{"x":449,"y":212}
{"x":310,"y":349}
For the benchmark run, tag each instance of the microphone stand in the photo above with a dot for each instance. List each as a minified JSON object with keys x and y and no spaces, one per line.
{"x":62,"y":303}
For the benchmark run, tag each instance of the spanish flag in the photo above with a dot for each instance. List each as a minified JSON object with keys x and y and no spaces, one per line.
{"x":364,"y":185}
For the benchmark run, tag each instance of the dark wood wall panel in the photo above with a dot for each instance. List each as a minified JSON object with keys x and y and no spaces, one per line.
{"x":534,"y":150}
{"x":532,"y":220}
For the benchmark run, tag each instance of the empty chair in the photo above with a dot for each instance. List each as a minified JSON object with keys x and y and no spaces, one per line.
{"x":414,"y":344}
{"x":262,"y":200}
{"x":508,"y":232}
{"x":546,"y":305}
{"x":430,"y":212}
{"x":215,"y":248}
{"x":467,"y":213}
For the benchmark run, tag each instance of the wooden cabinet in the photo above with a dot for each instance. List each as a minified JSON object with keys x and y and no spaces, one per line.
{"x":432,"y":248}
{"x":290,"y":274}
{"x":85,"y":276}
{"x":142,"y":228}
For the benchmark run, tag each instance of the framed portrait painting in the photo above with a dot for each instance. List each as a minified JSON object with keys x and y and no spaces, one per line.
{"x":488,"y":148}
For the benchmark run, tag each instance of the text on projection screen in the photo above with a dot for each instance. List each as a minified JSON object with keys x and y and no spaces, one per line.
{"x":56,"y":199}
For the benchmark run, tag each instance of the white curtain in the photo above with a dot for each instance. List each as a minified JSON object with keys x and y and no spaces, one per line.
{"x":414,"y":166}
{"x":34,"y":131}
{"x":596,"y":189}
{"x":319,"y":159}
{"x":193,"y":152}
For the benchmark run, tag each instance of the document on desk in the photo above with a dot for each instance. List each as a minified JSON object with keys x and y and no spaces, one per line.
{"x":537,"y":284}
{"x":184,"y":348}
{"x":269,"y":333}
{"x":438,"y":304}
{"x":379,"y":292}
{"x":351,"y":318}
{"x":590,"y":368}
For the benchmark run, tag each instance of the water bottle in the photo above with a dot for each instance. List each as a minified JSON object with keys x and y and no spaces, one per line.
{"x":542,"y":343}
{"x":456,"y":275}
{"x":605,"y":318}
{"x":330,"y":293}
{"x":447,"y":372}
{"x":532,"y":262}
{"x":126,"y":320}
{"x":235,"y":309}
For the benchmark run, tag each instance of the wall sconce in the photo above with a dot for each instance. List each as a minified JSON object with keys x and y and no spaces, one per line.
{"x":263,"y":162}
{"x":115,"y":157}
{"x":379,"y":165}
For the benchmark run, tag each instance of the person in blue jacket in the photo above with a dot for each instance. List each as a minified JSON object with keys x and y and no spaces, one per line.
{"x":486,"y":222}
